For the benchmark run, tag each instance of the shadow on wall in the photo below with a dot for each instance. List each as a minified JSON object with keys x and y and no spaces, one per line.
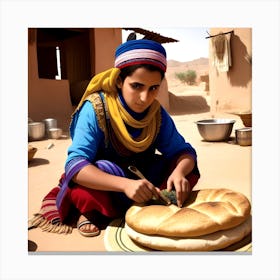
{"x":240,"y":73}
{"x":191,"y":104}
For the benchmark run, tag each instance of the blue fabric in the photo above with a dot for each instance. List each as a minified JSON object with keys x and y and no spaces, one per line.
{"x":140,"y":44}
{"x":169,"y":141}
{"x":85,"y":133}
{"x":88,"y":138}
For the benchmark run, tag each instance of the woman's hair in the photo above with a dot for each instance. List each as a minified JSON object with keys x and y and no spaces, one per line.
{"x":129,"y":70}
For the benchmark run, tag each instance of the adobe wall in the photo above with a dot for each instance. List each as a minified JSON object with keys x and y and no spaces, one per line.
{"x":232,"y":91}
{"x":49,"y":98}
{"x":163,"y":95}
{"x":104,"y":52}
{"x":46,"y":98}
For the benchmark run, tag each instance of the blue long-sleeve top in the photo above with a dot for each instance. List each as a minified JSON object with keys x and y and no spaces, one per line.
{"x":88,"y":139}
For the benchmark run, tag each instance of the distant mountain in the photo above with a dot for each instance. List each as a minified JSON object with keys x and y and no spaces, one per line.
{"x":198,"y":61}
{"x":174,"y":63}
{"x":200,"y":65}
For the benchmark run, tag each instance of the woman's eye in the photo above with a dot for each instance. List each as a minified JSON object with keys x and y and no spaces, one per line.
{"x":135,"y":86}
{"x":154,"y":88}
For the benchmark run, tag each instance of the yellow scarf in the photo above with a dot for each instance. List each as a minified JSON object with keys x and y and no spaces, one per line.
{"x":106,"y":82}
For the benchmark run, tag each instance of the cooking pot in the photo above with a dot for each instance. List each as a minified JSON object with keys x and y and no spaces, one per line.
{"x":36,"y":131}
{"x":244,"y":136}
{"x":49,"y":123}
{"x":55,"y":133}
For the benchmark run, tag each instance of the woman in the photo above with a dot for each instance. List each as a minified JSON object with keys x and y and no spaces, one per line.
{"x":118,"y":123}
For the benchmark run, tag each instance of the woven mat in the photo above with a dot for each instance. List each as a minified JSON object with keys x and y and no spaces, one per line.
{"x":116,"y":240}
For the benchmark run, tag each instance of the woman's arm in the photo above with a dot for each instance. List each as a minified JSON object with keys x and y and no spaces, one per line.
{"x":169,"y":141}
{"x":92,"y":177}
{"x":87,"y":139}
{"x":171,"y":144}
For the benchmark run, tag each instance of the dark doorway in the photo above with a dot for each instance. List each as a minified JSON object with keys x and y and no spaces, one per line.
{"x":64,"y":53}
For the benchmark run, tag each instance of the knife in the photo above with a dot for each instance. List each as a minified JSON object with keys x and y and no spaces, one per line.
{"x":135,"y":170}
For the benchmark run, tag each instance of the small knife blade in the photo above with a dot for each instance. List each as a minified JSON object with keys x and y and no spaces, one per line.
{"x":135,"y":170}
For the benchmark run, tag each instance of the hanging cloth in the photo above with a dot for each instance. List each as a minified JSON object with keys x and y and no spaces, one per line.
{"x":221,"y":52}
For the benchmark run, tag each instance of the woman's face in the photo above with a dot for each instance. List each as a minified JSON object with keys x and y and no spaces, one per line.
{"x":140,"y":89}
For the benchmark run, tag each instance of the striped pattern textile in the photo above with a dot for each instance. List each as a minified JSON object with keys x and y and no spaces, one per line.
{"x":140,"y":52}
{"x":48,"y":209}
{"x":49,"y":216}
{"x":70,"y":170}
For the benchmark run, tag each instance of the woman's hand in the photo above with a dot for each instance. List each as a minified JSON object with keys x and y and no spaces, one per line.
{"x":140,"y":190}
{"x":181,"y":185}
{"x":177,"y":179}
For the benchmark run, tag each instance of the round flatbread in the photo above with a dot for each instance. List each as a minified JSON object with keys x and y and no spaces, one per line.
{"x":210,"y":242}
{"x":206,"y":211}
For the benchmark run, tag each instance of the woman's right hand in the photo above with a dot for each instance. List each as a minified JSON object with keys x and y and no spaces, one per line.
{"x":141,"y":190}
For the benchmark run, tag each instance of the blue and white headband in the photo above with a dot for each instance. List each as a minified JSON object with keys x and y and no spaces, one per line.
{"x":143,"y":51}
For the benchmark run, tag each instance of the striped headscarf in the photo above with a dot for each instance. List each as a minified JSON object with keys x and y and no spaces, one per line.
{"x":140,"y":52}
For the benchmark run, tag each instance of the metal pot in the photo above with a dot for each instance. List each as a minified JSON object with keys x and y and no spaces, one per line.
{"x":215,"y":129}
{"x":55,"y":133}
{"x":243,"y":136}
{"x":49,"y":123}
{"x":36,"y":130}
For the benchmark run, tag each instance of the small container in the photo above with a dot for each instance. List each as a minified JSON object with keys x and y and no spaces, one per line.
{"x":55,"y":133}
{"x":243,"y":136}
{"x":49,"y":123}
{"x":36,"y":131}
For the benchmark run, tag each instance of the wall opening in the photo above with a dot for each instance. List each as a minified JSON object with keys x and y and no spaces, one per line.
{"x":64,"y":53}
{"x":58,"y":64}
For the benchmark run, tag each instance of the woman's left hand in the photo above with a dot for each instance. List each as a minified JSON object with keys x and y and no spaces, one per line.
{"x":181,"y":185}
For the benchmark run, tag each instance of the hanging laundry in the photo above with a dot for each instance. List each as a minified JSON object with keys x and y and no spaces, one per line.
{"x":221,"y":52}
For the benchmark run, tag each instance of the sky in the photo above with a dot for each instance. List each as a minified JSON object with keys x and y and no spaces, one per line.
{"x":192,"y":43}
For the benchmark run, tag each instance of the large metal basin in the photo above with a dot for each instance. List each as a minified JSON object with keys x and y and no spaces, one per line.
{"x":215,"y":129}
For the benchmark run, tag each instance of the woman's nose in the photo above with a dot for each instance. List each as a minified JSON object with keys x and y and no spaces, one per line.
{"x":144,"y":96}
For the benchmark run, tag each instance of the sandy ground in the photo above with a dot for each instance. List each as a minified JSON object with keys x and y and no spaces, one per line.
{"x":222,"y":164}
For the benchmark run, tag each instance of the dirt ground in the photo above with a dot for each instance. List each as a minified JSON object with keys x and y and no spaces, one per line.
{"x":221,"y":164}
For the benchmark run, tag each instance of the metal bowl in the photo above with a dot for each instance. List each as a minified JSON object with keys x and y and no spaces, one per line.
{"x":54,"y":133}
{"x":36,"y":130}
{"x":243,"y":136}
{"x":215,"y":129}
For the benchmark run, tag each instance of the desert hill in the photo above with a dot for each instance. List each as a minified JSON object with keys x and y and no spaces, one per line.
{"x":183,"y":98}
{"x":200,"y":65}
{"x":198,"y":61}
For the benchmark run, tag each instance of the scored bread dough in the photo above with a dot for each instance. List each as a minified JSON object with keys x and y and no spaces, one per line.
{"x":210,"y":242}
{"x":206,"y":211}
